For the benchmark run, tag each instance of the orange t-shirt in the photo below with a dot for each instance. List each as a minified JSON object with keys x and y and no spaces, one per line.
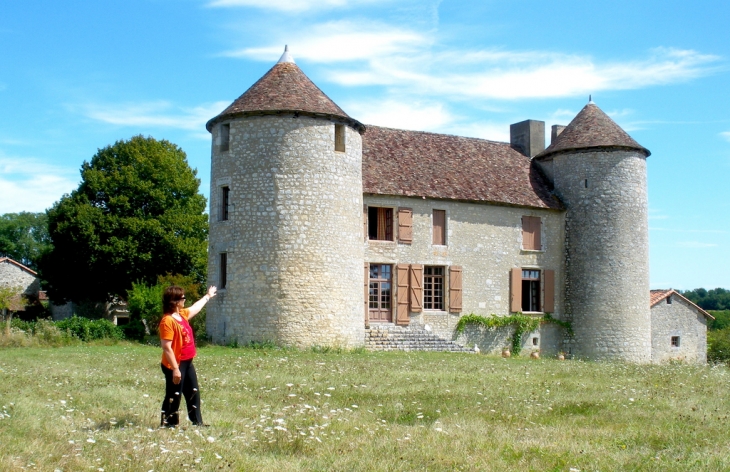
{"x":170,"y":330}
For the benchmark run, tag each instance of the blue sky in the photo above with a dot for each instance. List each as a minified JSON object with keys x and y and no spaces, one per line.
{"x":76,"y":76}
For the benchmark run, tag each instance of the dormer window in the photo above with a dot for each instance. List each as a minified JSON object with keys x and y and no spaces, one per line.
{"x":340,"y":138}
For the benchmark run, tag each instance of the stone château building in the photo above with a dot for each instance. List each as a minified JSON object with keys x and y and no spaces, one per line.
{"x":324,"y":229}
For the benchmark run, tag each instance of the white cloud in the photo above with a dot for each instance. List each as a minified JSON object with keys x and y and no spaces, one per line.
{"x":341,"y":41}
{"x":726,"y":135}
{"x":32,"y":185}
{"x":695,"y":244}
{"x":402,"y":115}
{"x":292,"y":6}
{"x":159,"y":114}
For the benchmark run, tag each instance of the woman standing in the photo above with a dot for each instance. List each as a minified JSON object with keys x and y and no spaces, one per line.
{"x":178,"y":351}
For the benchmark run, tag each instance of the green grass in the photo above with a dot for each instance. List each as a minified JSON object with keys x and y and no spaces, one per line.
{"x":97,"y":407}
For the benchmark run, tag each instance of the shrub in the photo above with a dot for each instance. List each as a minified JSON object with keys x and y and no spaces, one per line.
{"x":721,"y":321}
{"x":718,"y":345}
{"x":88,"y":330}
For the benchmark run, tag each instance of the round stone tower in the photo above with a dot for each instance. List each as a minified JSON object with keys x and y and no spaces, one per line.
{"x":286,"y":246}
{"x":599,"y":172}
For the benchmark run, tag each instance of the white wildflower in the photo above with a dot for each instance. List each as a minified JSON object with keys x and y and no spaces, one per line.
{"x":211,"y":439}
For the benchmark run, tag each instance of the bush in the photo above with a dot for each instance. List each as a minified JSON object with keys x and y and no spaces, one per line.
{"x":718,"y":345}
{"x":88,"y":330}
{"x":721,"y":321}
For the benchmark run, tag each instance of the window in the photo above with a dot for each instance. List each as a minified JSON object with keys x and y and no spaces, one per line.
{"x":225,"y":137}
{"x":223,"y":271}
{"x":535,"y":341}
{"x":675,"y":341}
{"x":439,"y":227}
{"x":530,"y":290}
{"x":340,"y":138}
{"x":225,"y":191}
{"x":669,"y":300}
{"x":433,"y":288}
{"x":379,"y":294}
{"x":380,"y":224}
{"x":531,"y":233}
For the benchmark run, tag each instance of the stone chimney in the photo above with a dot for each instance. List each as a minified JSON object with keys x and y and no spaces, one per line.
{"x":528,"y":137}
{"x":557,"y":129}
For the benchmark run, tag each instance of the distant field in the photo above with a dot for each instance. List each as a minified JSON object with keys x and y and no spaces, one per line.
{"x":97,"y":407}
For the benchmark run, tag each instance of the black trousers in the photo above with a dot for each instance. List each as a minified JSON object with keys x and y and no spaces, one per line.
{"x":188,"y":388}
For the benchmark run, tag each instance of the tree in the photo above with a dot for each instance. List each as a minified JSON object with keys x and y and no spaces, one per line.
{"x":24,"y":237}
{"x":715,"y":299}
{"x":137,"y":214}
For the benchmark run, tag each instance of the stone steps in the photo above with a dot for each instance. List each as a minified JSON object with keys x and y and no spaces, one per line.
{"x":398,"y":338}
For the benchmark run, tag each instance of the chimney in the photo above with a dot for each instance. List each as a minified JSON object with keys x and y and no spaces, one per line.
{"x":528,"y":137}
{"x":557,"y":129}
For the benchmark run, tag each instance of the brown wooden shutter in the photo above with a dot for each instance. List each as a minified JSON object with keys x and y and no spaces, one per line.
{"x":365,"y":222}
{"x":415,"y":280}
{"x":439,"y":227}
{"x":367,"y":294}
{"x":549,"y":304}
{"x":455,"y":283}
{"x":537,"y":238}
{"x":405,"y":225}
{"x":531,"y":233}
{"x":401,"y":315}
{"x":515,"y":293}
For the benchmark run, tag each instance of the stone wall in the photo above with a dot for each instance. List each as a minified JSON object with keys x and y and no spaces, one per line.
{"x":678,"y":319}
{"x":485,"y":240}
{"x":607,"y":252}
{"x":294,"y":235}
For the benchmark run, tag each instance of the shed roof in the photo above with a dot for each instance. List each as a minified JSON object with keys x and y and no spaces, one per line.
{"x":285,"y":89}
{"x":591,"y":128}
{"x":420,"y":164}
{"x":659,"y":295}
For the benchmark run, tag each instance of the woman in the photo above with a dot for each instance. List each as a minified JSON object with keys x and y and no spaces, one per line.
{"x":178,"y":351}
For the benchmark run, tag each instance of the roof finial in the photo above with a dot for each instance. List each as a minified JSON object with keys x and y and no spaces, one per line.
{"x":286,"y":57}
{"x":590,"y":100}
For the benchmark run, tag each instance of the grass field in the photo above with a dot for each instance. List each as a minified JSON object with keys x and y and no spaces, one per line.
{"x":97,"y":408}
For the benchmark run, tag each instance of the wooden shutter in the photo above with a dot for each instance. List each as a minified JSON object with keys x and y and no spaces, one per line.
{"x":549,"y":286}
{"x":515,"y":293}
{"x":415,"y":280}
{"x":439,"y":227}
{"x":405,"y":225}
{"x":365,"y":222}
{"x":367,"y":294}
{"x":401,"y":315}
{"x":531,"y":233}
{"x":455,"y":283}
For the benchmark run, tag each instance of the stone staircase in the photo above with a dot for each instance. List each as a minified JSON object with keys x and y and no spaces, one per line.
{"x":388,"y":337}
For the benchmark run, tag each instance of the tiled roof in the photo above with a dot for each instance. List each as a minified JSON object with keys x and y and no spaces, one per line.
{"x":658,"y":295}
{"x":592,"y":128}
{"x":285,"y":89}
{"x":420,"y":164}
{"x":18,"y":264}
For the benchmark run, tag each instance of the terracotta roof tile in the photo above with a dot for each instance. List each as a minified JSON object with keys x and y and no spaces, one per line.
{"x":658,"y":295}
{"x":284,"y":88}
{"x":592,"y":128}
{"x":415,"y":163}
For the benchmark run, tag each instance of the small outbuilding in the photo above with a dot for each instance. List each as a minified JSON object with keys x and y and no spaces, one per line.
{"x":679,"y":328}
{"x":22,"y":279}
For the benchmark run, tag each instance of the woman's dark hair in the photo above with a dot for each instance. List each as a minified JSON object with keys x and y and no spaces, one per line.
{"x":170,"y":297}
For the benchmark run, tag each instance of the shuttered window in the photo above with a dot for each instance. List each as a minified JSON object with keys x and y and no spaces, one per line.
{"x":532,"y":290}
{"x":433,"y":288}
{"x":455,"y":290}
{"x":531,"y":233}
{"x":439,"y":227}
{"x":366,"y":293}
{"x":415,"y":279}
{"x":405,"y":225}
{"x":402,"y":274}
{"x":380,"y":224}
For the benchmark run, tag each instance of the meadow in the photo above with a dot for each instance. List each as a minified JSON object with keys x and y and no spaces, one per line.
{"x":97,"y":407}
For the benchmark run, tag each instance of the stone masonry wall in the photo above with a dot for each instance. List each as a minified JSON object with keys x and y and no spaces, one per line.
{"x":294,"y":235}
{"x":13,"y":276}
{"x":485,"y":240}
{"x":607,"y":253}
{"x":678,"y":319}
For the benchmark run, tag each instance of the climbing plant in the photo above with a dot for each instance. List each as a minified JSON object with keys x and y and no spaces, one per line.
{"x":521,"y":323}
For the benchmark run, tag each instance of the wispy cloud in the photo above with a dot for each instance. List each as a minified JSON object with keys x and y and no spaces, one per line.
{"x":726,"y":135}
{"x":402,"y":115}
{"x":28,"y":184}
{"x":695,"y":244}
{"x":291,"y":6}
{"x":158,"y":114}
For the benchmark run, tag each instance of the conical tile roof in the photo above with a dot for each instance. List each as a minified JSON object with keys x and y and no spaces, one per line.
{"x":285,"y":89}
{"x":592,"y":128}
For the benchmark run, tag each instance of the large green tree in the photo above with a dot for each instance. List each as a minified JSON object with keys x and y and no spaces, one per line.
{"x":714,"y":299}
{"x":24,"y":237}
{"x":136,"y":215}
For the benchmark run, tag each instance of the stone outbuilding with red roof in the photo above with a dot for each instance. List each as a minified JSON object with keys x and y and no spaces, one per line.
{"x":679,"y":328}
{"x":327,"y":232}
{"x":23,"y":280}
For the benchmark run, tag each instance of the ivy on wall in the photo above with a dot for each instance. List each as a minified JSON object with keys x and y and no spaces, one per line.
{"x":521,"y":323}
